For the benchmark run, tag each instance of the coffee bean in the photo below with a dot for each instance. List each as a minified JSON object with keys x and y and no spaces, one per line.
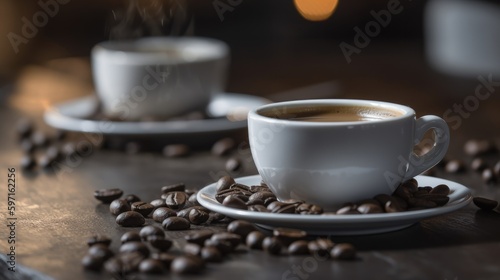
{"x":180,"y":187}
{"x":234,"y":202}
{"x":258,"y":208}
{"x":479,"y":147}
{"x":419,"y":202}
{"x":193,"y":199}
{"x":241,"y":227}
{"x":223,"y":146}
{"x":368,"y":201}
{"x":440,"y":189}
{"x":262,"y":195}
{"x":27,"y":162}
{"x":142,"y":208}
{"x":135,"y":246}
{"x":130,"y":236}
{"x":406,"y":189}
{"x":272,"y":245}
{"x":439,"y":199}
{"x":496,"y":169}
{"x":68,"y":150}
{"x":114,"y":266}
{"x":192,"y":249}
{"x":255,"y":202}
{"x":165,"y":258}
{"x":150,"y":231}
{"x":488,"y":176}
{"x":211,"y":254}
{"x":158,"y":203}
{"x":176,"y":150}
{"x":318,"y":249}
{"x":131,"y":198}
{"x":130,"y":261}
{"x":232,"y":238}
{"x":225,"y":247}
{"x":176,"y":200}
{"x":288,"y":235}
{"x":254,"y":239}
{"x":455,"y":166}
{"x":299,"y":247}
{"x":130,"y":219}
{"x":151,"y":266}
{"x":198,"y":237}
{"x":325,"y":244}
{"x":100,"y":251}
{"x":382,"y":198}
{"x":238,"y":193}
{"x":176,"y":223}
{"x":224,"y":183}
{"x":369,"y":208}
{"x":107,"y":195}
{"x":99,"y":239}
{"x":308,"y":209}
{"x":27,"y":146}
{"x":484,"y":203}
{"x":243,"y":188}
{"x":197,"y":217}
{"x":187,"y":265}
{"x":161,"y":213}
{"x":478,"y":164}
{"x":393,"y":207}
{"x":233,"y":165}
{"x":24,"y":128}
{"x":347,"y":210}
{"x":39,"y":139}
{"x":159,"y":242}
{"x":343,"y":251}
{"x":118,"y":206}
{"x":92,"y":263}
{"x":281,"y":207}
{"x":45,"y":162}
{"x":184,"y":213}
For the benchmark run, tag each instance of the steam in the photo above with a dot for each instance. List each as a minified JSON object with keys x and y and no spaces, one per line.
{"x":143,"y":18}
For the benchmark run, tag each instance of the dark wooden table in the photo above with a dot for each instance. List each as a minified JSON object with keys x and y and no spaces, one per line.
{"x":56,"y":213}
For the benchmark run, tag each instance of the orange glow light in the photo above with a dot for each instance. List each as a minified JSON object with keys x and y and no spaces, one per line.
{"x":316,"y":10}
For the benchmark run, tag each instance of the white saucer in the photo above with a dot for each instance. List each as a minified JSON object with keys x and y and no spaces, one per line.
{"x":460,"y":196}
{"x":230,"y":108}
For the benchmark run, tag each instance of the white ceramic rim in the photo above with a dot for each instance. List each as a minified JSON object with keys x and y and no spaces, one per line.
{"x":407,"y":111}
{"x":120,"y":51}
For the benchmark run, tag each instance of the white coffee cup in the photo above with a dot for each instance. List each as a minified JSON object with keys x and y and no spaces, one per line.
{"x":158,"y":76}
{"x":330,"y":163}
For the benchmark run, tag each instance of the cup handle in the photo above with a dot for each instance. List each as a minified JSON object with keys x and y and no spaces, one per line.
{"x":419,"y":164}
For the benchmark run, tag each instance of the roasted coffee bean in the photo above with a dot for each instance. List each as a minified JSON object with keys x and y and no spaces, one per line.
{"x":272,"y":245}
{"x":151,"y":266}
{"x":27,"y":146}
{"x":161,"y":213}
{"x":118,"y":206}
{"x":211,"y":254}
{"x":180,"y":187}
{"x":192,"y":249}
{"x":288,"y":235}
{"x":255,"y":202}
{"x":184,"y":213}
{"x":234,"y":202}
{"x":258,"y":208}
{"x":393,"y":207}
{"x":484,"y":203}
{"x":455,"y":166}
{"x":238,"y":193}
{"x":281,"y":207}
{"x":224,"y":183}
{"x":233,"y":165}
{"x":150,"y":231}
{"x":232,"y":238}
{"x":488,"y":176}
{"x":176,"y":150}
{"x":440,"y":189}
{"x":99,"y":239}
{"x":262,"y":195}
{"x":406,"y":189}
{"x":216,"y":217}
{"x":188,"y":264}
{"x":114,"y":266}
{"x":157,"y":203}
{"x":131,"y":198}
{"x":27,"y":162}
{"x":135,"y":246}
{"x":420,"y":202}
{"x":39,"y":139}
{"x":241,"y":228}
{"x":190,"y":192}
{"x":496,"y":169}
{"x":130,"y":219}
{"x":269,"y":200}
{"x":176,"y":223}
{"x":165,"y":258}
{"x":427,"y":189}
{"x":318,"y":249}
{"x":343,"y":251}
{"x":243,"y":188}
{"x":479,"y":147}
{"x":254,"y":239}
{"x":130,"y":236}
{"x":197,"y":217}
{"x":478,"y":164}
{"x":24,"y":128}
{"x":225,"y":247}
{"x":176,"y":200}
{"x":198,"y":237}
{"x":369,"y":208}
{"x":142,"y":208}
{"x":299,"y":247}
{"x":108,"y":195}
{"x":258,"y":188}
{"x":92,"y":263}
{"x":382,"y":198}
{"x":100,"y":251}
{"x":130,"y":261}
{"x":223,"y":146}
{"x":347,"y":210}
{"x":159,"y":242}
{"x":193,"y":199}
{"x":439,"y":199}
{"x":45,"y":162}
{"x":325,"y":244}
{"x":368,"y":201}
{"x":308,"y":209}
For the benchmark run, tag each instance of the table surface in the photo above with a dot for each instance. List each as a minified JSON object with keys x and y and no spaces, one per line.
{"x":56,"y":213}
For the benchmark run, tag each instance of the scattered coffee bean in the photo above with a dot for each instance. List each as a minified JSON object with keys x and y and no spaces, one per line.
{"x":484,"y":203}
{"x":161,"y":213}
{"x":343,"y":251}
{"x":281,"y":207}
{"x":130,"y":219}
{"x":142,"y":208}
{"x":272,"y":245}
{"x":68,"y":150}
{"x":234,"y":202}
{"x":99,"y":239}
{"x":318,"y":248}
{"x":92,"y":263}
{"x":233,"y":165}
{"x":176,"y":200}
{"x":211,"y":254}
{"x":478,"y":164}
{"x":118,"y":206}
{"x":100,"y":251}
{"x":159,"y":242}
{"x":158,"y":203}
{"x":308,"y":209}
{"x":198,"y":237}
{"x":131,"y":198}
{"x":258,"y":208}
{"x":193,"y":199}
{"x":488,"y":176}
{"x":130,"y":236}
{"x":165,"y":258}
{"x":176,"y":223}
{"x":254,"y":239}
{"x":39,"y":139}
{"x":176,"y":150}
{"x":45,"y":162}
{"x":241,"y":227}
{"x":392,"y":207}
{"x":224,"y":183}
{"x":455,"y":166}
{"x":369,"y":208}
{"x":216,"y":217}
{"x":479,"y":147}
{"x":151,"y":266}
{"x":197,"y":217}
{"x":114,"y":266}
{"x":27,"y":162}
{"x":299,"y":247}
{"x":130,"y":262}
{"x":187,"y":265}
{"x":192,"y":249}
{"x":382,"y":198}
{"x":232,"y":238}
{"x":225,"y":247}
{"x":288,"y":235}
{"x":107,"y":195}
{"x":150,"y":231}
{"x":180,"y":187}
{"x":184,"y":213}
{"x":135,"y":246}
{"x":27,"y":146}
{"x":223,"y":146}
